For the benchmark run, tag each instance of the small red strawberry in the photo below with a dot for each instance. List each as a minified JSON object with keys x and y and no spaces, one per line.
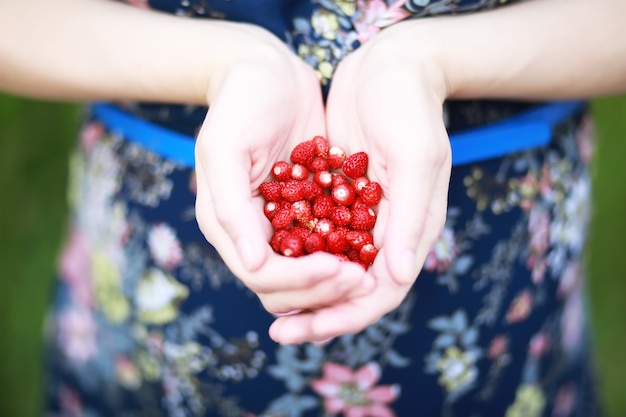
{"x":271,"y":190}
{"x":302,"y":152}
{"x":353,"y":255}
{"x":355,"y":165}
{"x":323,"y":206}
{"x":359,"y":183}
{"x":323,"y":178}
{"x":336,"y":242}
{"x":311,"y":190}
{"x":281,"y":170}
{"x":371,"y":193}
{"x":343,"y":194}
{"x":292,"y":245}
{"x":301,"y":232}
{"x":317,"y":163}
{"x":302,"y":212}
{"x":323,"y":227}
{"x":314,"y":243}
{"x":368,"y":253}
{"x":321,"y":146}
{"x":341,"y":216}
{"x":270,"y":209}
{"x":293,"y":191}
{"x":363,"y":218}
{"x":282,"y":219}
{"x":339,"y":179}
{"x":336,"y":157}
{"x":278,"y":237}
{"x":358,"y":238}
{"x":299,"y":172}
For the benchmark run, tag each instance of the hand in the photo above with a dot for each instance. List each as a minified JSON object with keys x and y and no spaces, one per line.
{"x":391,"y":107}
{"x":262,"y":103}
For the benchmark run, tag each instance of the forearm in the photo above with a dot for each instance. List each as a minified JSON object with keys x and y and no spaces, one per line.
{"x":538,"y":49}
{"x":104,"y":50}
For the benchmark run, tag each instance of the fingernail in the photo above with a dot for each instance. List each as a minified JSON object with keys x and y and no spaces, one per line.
{"x":407,"y":266}
{"x":250,"y":256}
{"x":288,"y":313}
{"x":322,"y":343}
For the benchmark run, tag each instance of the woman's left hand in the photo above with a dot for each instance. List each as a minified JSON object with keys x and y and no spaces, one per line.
{"x":389,"y":106}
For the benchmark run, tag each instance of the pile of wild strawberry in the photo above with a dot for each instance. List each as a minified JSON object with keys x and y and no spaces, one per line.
{"x":322,"y":201}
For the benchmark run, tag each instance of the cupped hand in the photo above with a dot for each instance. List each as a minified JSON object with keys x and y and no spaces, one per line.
{"x":263,"y":102}
{"x":389,"y":106}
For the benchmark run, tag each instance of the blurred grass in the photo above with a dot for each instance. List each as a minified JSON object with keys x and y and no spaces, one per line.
{"x":35,"y":139}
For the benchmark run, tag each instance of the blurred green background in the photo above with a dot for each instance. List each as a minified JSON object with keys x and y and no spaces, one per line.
{"x":35,"y":139}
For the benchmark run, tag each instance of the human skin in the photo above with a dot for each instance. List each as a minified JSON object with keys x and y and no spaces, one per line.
{"x":533,"y":50}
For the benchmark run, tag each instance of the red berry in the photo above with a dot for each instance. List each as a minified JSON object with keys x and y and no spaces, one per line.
{"x":339,"y":179}
{"x":368,"y":253}
{"x":323,"y":206}
{"x":371,"y":193}
{"x":302,"y":152}
{"x":336,"y":157}
{"x":343,"y":194}
{"x":302,"y":211}
{"x":271,"y":190}
{"x":311,"y":190}
{"x":317,"y":163}
{"x":301,"y":232}
{"x":358,"y":238}
{"x":278,"y":237}
{"x":363,"y":218}
{"x":356,"y":165}
{"x":323,"y":178}
{"x":282,"y":219}
{"x":299,"y":172}
{"x":270,"y":209}
{"x":336,"y":242}
{"x":353,"y":255}
{"x":323,"y":227}
{"x":359,"y":183}
{"x":314,"y":243}
{"x":281,"y":170}
{"x":341,"y":216}
{"x":321,"y":146}
{"x":293,"y":191}
{"x":291,"y":245}
{"x":358,"y":203}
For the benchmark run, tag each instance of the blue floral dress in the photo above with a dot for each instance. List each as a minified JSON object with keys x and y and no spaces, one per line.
{"x":148,"y":321}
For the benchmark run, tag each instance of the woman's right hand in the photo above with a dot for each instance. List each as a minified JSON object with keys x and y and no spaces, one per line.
{"x":262,"y":103}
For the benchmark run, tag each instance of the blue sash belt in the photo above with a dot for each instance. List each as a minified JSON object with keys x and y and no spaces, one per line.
{"x":526,"y":130}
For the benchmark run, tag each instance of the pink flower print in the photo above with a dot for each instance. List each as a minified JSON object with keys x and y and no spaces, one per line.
{"x":442,"y":253}
{"x":498,"y":346}
{"x":75,"y":269}
{"x":565,"y":400}
{"x":584,"y":139}
{"x":355,"y":393}
{"x":539,"y":230}
{"x":164,"y":246}
{"x":572,"y":321}
{"x":375,"y":15}
{"x":539,"y":345}
{"x":520,"y":307}
{"x":139,"y":3}
{"x":77,"y":334}
{"x":69,"y":402}
{"x":570,"y":279}
{"x":90,"y":134}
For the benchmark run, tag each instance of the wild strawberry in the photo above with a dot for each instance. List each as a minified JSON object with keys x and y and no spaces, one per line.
{"x":311,"y":190}
{"x":278,"y":237}
{"x":321,"y":146}
{"x":358,"y":203}
{"x":336,"y":242}
{"x":336,"y":157}
{"x":293,"y":191}
{"x":314,"y":243}
{"x":317,"y":163}
{"x":368,"y":253}
{"x":271,"y":190}
{"x":301,"y":232}
{"x":270,"y":209}
{"x":299,"y":172}
{"x":291,"y":245}
{"x":301,"y":210}
{"x":302,"y":152}
{"x":282,"y":219}
{"x":358,"y":238}
{"x":363,"y":218}
{"x":355,"y":165}
{"x":339,"y":179}
{"x":342,"y":256}
{"x":323,"y":206}
{"x":371,"y":193}
{"x":323,"y":178}
{"x":343,"y":194}
{"x":359,"y":183}
{"x":353,"y":255}
{"x":341,"y":216}
{"x":281,"y":170}
{"x":323,"y":227}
